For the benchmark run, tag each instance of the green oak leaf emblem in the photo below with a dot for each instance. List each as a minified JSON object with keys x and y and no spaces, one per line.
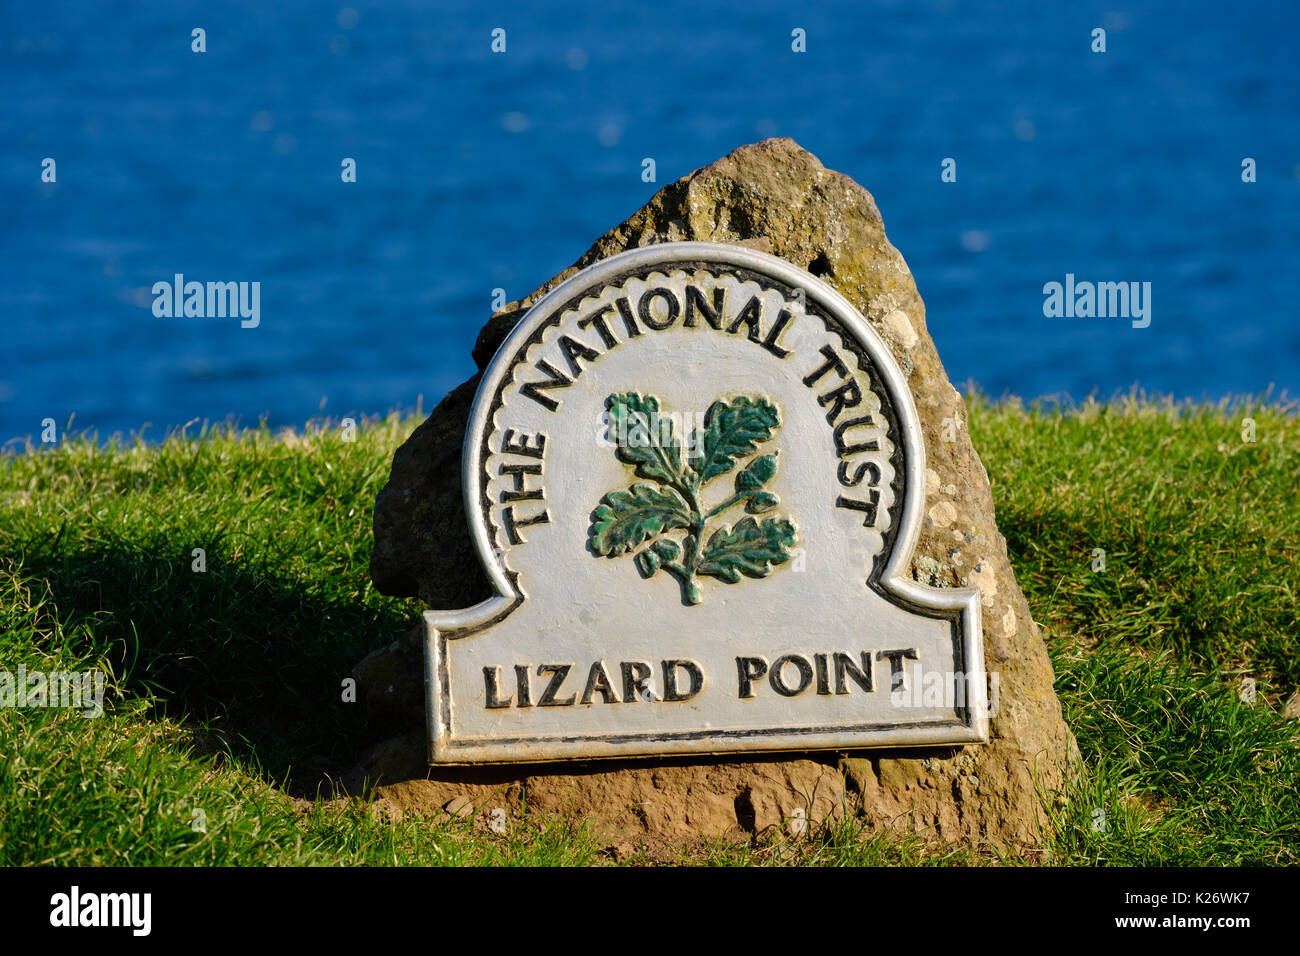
{"x":645,"y":517}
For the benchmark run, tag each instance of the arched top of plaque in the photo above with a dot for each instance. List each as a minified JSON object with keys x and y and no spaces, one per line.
{"x":695,"y":476}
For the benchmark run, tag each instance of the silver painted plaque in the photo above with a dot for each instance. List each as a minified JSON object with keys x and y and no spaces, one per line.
{"x":694,"y":475}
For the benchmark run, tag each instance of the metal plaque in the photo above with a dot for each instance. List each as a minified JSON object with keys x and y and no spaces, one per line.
{"x":695,"y":477}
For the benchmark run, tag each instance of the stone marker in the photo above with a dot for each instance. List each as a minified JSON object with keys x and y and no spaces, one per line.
{"x":720,"y":500}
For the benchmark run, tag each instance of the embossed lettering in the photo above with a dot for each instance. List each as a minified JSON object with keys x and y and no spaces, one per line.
{"x":558,"y":673}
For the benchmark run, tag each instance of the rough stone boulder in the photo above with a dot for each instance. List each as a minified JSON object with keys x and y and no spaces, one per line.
{"x":775,"y":197}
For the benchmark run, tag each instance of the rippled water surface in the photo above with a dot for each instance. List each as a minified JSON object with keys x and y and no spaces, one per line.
{"x":478,"y":171}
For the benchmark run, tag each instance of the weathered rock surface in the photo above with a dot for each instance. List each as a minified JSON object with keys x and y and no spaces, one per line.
{"x":775,"y":197}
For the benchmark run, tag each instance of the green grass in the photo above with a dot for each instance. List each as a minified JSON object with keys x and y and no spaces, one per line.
{"x":226,"y":707}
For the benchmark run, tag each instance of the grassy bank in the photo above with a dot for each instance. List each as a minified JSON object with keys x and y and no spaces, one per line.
{"x":226,"y":705}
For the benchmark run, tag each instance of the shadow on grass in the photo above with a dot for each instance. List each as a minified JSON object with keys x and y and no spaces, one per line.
{"x":252,"y":656}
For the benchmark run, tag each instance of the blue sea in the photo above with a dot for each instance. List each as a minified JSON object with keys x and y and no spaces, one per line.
{"x":478,"y":170}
